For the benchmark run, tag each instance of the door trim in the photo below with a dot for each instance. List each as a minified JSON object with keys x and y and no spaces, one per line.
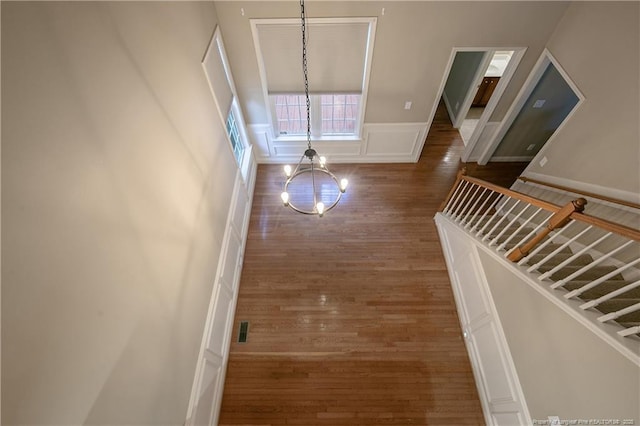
{"x":546,"y":58}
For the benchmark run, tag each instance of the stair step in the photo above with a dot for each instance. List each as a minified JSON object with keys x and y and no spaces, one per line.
{"x":614,"y":305}
{"x":602,"y":289}
{"x":629,"y":324}
{"x":591,"y":274}
{"x":582,"y":260}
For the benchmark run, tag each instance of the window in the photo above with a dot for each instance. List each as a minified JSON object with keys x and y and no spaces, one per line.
{"x":338,"y":93}
{"x":220,"y":80}
{"x":291,"y":114}
{"x":234,"y":136}
{"x":339,"y":114}
{"x":331,"y":114}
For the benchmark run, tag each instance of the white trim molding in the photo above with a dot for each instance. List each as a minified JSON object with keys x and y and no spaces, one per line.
{"x":546,"y":59}
{"x":208,"y":384}
{"x":630,"y":348}
{"x":630,"y":196}
{"x":380,"y":143}
{"x":499,"y":388}
{"x":393,"y":142}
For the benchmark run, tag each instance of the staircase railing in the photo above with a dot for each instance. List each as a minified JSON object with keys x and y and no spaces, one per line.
{"x":585,"y":258}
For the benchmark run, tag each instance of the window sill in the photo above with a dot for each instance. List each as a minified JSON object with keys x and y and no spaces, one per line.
{"x":334,"y":138}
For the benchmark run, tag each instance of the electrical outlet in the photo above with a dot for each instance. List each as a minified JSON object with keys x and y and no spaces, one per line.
{"x":407,"y":105}
{"x":530,"y":147}
{"x":543,"y":161}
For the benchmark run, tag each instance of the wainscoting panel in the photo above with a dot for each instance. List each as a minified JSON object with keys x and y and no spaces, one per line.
{"x":259,"y":137}
{"x":497,"y":380}
{"x":207,"y":387}
{"x":206,"y":393}
{"x":393,"y":142}
{"x":240,"y":204}
{"x":231,"y":260}
{"x":217,"y":335}
{"x":380,"y":143}
{"x":290,"y":151}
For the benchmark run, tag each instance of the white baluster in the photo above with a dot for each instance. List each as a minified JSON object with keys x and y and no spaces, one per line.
{"x":453,"y":197}
{"x":590,"y":265}
{"x":621,"y":312}
{"x":595,"y":302}
{"x":544,"y":244}
{"x":504,"y":229}
{"x":484,"y":215}
{"x":572,"y":258}
{"x":485,"y":200}
{"x":592,"y":284}
{"x":501,"y":220}
{"x":462,"y":219}
{"x":457,"y":197}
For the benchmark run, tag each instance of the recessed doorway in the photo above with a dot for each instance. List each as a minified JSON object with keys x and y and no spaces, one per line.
{"x":464,"y":86}
{"x":485,"y":90}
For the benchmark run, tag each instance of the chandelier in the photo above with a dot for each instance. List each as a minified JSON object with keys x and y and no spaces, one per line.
{"x":310,"y":188}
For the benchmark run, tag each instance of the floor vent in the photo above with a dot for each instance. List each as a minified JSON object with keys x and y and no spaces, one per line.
{"x":244,"y":330}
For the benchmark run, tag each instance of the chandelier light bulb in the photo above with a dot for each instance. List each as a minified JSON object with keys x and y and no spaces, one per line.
{"x":323,"y":160}
{"x":285,"y":198}
{"x":320,"y":208}
{"x":287,"y":170}
{"x":343,"y":184}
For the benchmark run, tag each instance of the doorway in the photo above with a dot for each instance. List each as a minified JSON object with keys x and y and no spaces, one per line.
{"x":546,"y":101}
{"x":485,"y":90}
{"x":463,"y":86}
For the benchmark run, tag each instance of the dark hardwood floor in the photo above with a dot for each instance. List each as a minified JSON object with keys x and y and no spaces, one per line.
{"x":351,"y":316}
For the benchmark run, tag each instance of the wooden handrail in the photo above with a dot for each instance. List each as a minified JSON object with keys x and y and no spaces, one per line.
{"x":625,"y":231}
{"x":558,"y":220}
{"x":514,"y":194}
{"x":560,"y":217}
{"x":584,"y":193}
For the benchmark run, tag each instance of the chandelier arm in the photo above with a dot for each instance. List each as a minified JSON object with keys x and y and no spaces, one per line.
{"x":313,"y":185}
{"x":295,"y":172}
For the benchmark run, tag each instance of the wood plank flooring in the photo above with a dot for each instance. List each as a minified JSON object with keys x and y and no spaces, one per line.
{"x":351,"y":316}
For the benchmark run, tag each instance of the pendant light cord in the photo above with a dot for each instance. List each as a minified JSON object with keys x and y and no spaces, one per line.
{"x":303,"y":18}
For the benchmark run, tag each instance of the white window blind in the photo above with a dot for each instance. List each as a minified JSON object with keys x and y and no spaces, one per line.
{"x":336,"y":55}
{"x":217,"y":76}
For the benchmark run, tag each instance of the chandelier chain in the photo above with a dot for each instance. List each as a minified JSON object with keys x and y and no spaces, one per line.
{"x":303,"y":18}
{"x":310,"y":155}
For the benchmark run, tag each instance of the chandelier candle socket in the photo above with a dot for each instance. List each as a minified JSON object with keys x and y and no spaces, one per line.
{"x":311,"y":188}
{"x":321,"y":190}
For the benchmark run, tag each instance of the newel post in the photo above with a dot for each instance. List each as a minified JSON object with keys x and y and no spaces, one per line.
{"x":558,"y":220}
{"x":462,"y":172}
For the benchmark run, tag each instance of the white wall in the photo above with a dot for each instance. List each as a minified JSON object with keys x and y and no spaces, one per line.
{"x":117,"y":179}
{"x":564,"y":369}
{"x":461,"y":78}
{"x":598,"y":149}
{"x":414,"y":41}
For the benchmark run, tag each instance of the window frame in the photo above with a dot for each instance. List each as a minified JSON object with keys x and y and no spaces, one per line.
{"x":270,"y":103}
{"x":241,"y":157}
{"x":316,"y":118}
